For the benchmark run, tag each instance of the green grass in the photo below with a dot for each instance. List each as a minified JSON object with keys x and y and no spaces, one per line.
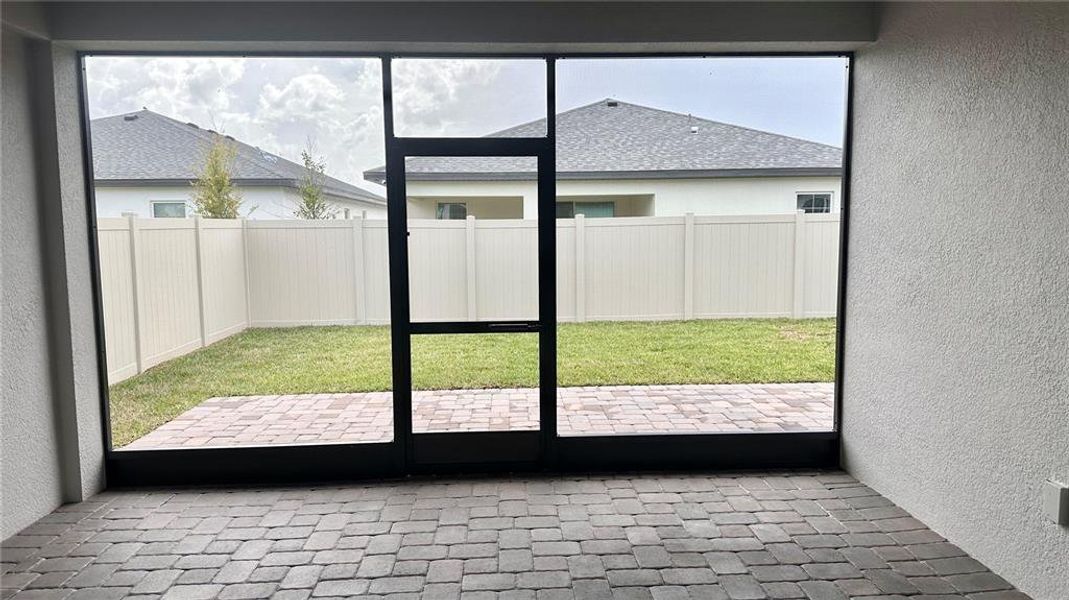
{"x":355,"y":359}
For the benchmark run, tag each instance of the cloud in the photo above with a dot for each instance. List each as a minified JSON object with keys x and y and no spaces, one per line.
{"x":309,"y":96}
{"x":335,"y":104}
{"x":335,"y":109}
{"x":193,"y":87}
{"x":433,"y":96}
{"x":278,"y":104}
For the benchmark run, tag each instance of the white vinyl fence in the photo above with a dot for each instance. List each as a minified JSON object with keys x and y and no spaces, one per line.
{"x":174,"y":285}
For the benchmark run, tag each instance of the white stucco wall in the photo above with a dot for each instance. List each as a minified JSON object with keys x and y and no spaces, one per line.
{"x":29,"y":462}
{"x":260,"y":202}
{"x":670,"y":197}
{"x":956,"y":399}
{"x":495,"y":207}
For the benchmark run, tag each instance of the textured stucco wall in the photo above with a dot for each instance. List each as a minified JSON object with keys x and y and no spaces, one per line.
{"x":956,"y":399}
{"x":52,"y":444}
{"x":72,"y":315}
{"x":29,"y":463}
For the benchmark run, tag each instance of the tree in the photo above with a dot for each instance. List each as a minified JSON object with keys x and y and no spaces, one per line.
{"x":214,"y":193}
{"x":313,"y":204}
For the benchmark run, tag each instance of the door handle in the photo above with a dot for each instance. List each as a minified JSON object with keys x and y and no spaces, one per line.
{"x":512,"y":327}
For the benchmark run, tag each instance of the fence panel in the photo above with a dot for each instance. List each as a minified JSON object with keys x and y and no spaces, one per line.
{"x":820,"y":274}
{"x":117,"y":283}
{"x":301,"y":273}
{"x":632,"y":268}
{"x":167,"y":284}
{"x":171,"y":286}
{"x":222,"y":267}
{"x":743,"y":266}
{"x":376,"y":272}
{"x":566,"y":268}
{"x":506,"y":270}
{"x":437,"y":264}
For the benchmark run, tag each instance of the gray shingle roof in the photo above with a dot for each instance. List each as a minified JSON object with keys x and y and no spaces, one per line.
{"x":147,"y":147}
{"x":614,"y":139}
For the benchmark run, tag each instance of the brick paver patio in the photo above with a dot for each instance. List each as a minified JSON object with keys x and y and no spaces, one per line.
{"x":609,"y":410}
{"x":703,"y":537}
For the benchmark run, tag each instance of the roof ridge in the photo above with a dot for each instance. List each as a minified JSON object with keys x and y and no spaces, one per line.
{"x":724,"y":123}
{"x":665,"y":111}
{"x":563,"y":112}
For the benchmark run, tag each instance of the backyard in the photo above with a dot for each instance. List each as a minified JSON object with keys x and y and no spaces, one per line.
{"x":311,"y":360}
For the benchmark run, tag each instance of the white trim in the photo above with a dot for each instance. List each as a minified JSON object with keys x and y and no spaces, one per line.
{"x":831,"y":200}
{"x":442,"y":203}
{"x":152,"y":208}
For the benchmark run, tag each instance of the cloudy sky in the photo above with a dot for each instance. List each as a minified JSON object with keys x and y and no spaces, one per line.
{"x":335,"y":104}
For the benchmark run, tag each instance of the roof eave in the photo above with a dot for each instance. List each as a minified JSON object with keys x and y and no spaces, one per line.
{"x":613,"y":175}
{"x":287,"y":183}
{"x":157,"y":181}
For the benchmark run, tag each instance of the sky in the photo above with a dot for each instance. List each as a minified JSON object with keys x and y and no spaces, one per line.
{"x":334,"y":105}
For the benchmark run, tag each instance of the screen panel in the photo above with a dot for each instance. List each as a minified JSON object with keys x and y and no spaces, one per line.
{"x":250,"y":308}
{"x":469,"y":97}
{"x":464,"y":383}
{"x":698,"y":205}
{"x":472,"y":255}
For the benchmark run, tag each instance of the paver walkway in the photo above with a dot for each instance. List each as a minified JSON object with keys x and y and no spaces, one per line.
{"x":710,"y":537}
{"x":609,"y":410}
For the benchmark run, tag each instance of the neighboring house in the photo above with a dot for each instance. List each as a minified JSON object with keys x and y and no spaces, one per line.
{"x":623,"y":160}
{"x":144,"y":163}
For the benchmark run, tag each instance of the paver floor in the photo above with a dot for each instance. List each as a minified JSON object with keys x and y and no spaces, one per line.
{"x":609,"y":410}
{"x":816,"y":535}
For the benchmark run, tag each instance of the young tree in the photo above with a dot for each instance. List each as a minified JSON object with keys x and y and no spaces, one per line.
{"x":214,"y":194}
{"x":313,"y":204}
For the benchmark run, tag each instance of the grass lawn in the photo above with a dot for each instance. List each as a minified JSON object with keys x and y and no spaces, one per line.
{"x":357,"y":359}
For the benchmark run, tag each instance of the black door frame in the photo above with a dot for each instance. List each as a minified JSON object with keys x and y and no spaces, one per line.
{"x":494,"y":450}
{"x":309,"y":463}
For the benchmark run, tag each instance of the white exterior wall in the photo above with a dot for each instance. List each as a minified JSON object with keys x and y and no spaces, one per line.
{"x":260,"y":202}
{"x":503,"y":207}
{"x":670,"y":197}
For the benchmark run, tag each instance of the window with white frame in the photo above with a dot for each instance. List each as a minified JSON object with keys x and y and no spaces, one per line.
{"x":594,"y":210}
{"x":818,"y":202}
{"x":169,"y":210}
{"x":452,"y":210}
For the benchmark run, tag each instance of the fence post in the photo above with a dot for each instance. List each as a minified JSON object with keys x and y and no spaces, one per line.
{"x":469,"y":247}
{"x":359,"y":285}
{"x":245,"y":257}
{"x":798,"y":309}
{"x":139,"y":300}
{"x":580,"y":268}
{"x":688,"y":266}
{"x":198,"y":243}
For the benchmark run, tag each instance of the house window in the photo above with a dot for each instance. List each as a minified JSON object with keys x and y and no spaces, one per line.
{"x":593,"y":210}
{"x":814,"y":203}
{"x":452,"y":210}
{"x":169,"y":210}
